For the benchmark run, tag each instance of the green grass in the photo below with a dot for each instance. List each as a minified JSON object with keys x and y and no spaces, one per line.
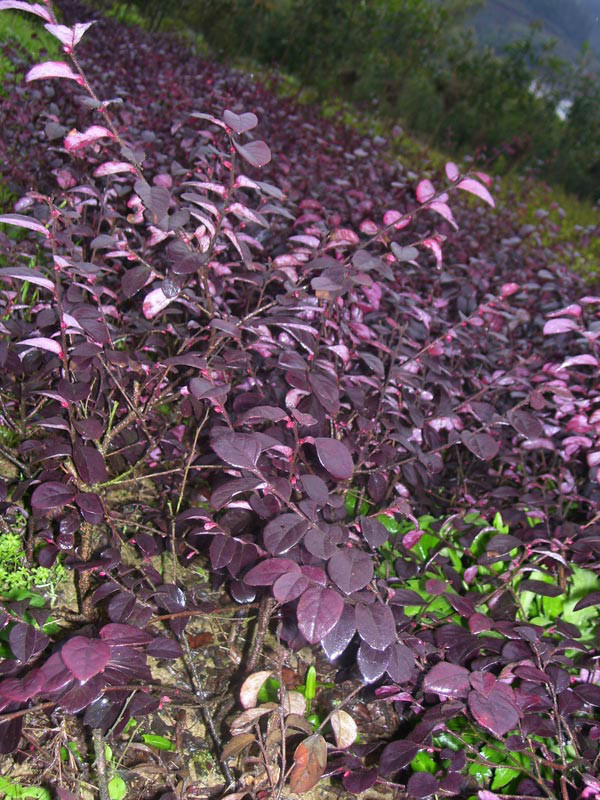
{"x":25,"y":31}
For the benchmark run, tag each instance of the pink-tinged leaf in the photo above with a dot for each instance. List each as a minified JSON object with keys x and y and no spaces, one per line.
{"x":240,"y":123}
{"x":560,"y":325}
{"x":155,"y":302}
{"x":452,"y":171}
{"x":508,"y":289}
{"x":113,"y":168}
{"x":70,"y":37}
{"x":445,"y":211}
{"x":76,"y":140}
{"x":434,"y":244}
{"x":256,"y":153}
{"x":335,"y":458}
{"x":33,"y":8}
{"x":21,"y":221}
{"x":572,"y":310}
{"x":484,"y":178}
{"x":52,"y":69}
{"x":584,"y":360}
{"x":243,"y":212}
{"x":318,"y":611}
{"x":474,"y":187}
{"x":43,"y":343}
{"x":425,"y":191}
{"x":85,"y":657}
{"x":25,"y":274}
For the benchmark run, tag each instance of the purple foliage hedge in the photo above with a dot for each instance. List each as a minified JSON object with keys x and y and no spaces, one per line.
{"x":270,"y":351}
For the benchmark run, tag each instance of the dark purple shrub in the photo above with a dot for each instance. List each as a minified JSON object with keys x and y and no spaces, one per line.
{"x":290,"y":363}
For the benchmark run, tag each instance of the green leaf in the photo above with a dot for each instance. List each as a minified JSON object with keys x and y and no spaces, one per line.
{"x":502,"y":776}
{"x":10,"y":789}
{"x":423,"y":762}
{"x":481,"y":773}
{"x":117,"y":788}
{"x":160,"y":742}
{"x":310,"y":685}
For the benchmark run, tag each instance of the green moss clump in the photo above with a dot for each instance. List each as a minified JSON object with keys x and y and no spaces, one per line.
{"x":16,"y":574}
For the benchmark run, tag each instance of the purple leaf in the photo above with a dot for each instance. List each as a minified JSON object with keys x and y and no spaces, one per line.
{"x":376,"y":625}
{"x":326,"y":392}
{"x":117,"y":634}
{"x":135,"y":279}
{"x":359,"y":780}
{"x":53,"y":69}
{"x":335,"y":458}
{"x":350,"y":569}
{"x":91,"y":507}
{"x":318,"y":611}
{"x":52,"y":495}
{"x":26,"y":642}
{"x":268,"y":571}
{"x":373,"y":531}
{"x":85,"y":657}
{"x":21,"y":689}
{"x":560,"y":325}
{"x":240,"y":123}
{"x":113,"y":168}
{"x":25,"y":274}
{"x":526,"y":423}
{"x":482,"y":445}
{"x":401,"y":664}
{"x":340,"y":636}
{"x":476,"y":188}
{"x":90,"y":464}
{"x":422,"y":784}
{"x":497,"y":712}
{"x":397,"y":755}
{"x":372,"y":663}
{"x":56,"y":675}
{"x":315,"y":488}
{"x":263,"y":414}
{"x":81,"y":695}
{"x":449,"y":680}
{"x":283,"y":532}
{"x":240,"y":450}
{"x":256,"y":153}
{"x":164,"y":647}
{"x":289,"y":587}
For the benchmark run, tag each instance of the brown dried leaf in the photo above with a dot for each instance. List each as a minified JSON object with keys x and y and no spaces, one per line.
{"x":294,"y":703}
{"x":235,"y":746}
{"x":344,"y":729}
{"x":247,"y":718}
{"x":251,"y":687}
{"x":310,"y":760}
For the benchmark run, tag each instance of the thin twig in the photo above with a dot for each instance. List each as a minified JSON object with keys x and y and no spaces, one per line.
{"x":100,"y":762}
